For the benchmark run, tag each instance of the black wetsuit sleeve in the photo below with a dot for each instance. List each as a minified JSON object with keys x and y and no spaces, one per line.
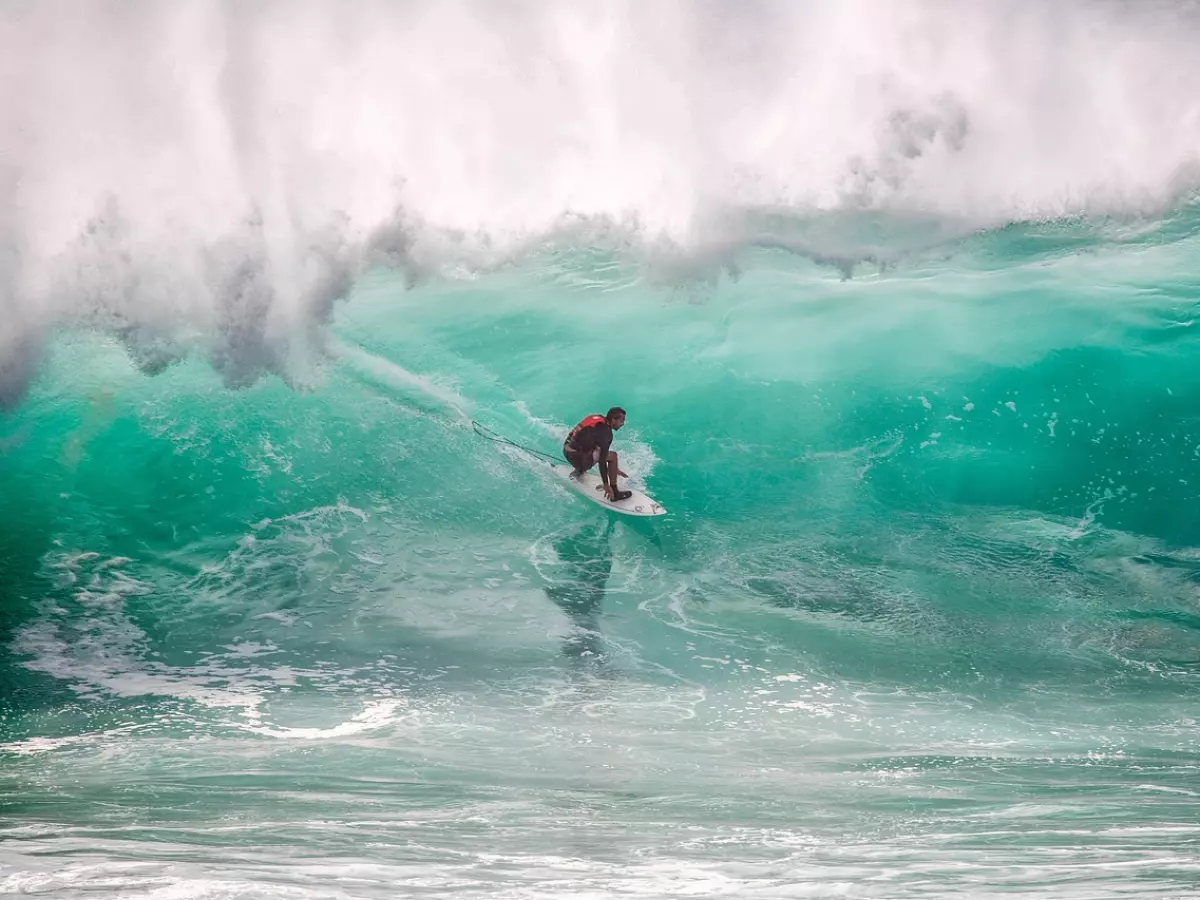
{"x":604,"y":438}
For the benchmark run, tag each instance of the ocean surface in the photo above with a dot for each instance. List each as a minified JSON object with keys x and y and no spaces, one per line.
{"x":902,"y":303}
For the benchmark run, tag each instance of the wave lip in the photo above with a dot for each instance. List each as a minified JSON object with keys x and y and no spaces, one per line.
{"x":206,"y":178}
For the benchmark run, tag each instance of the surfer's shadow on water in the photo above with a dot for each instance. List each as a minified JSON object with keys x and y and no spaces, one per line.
{"x":577,"y":582}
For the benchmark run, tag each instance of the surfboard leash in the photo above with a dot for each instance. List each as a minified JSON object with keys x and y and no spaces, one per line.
{"x":484,"y":432}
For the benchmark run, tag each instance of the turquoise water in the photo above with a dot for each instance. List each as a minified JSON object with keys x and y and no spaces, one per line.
{"x":922,"y":620}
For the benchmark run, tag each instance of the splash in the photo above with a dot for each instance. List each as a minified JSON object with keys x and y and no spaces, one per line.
{"x":207,"y":178}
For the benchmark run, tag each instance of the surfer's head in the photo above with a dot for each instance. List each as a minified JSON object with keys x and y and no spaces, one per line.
{"x":615,"y":418}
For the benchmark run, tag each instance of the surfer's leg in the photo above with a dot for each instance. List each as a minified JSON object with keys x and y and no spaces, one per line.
{"x":614,"y":470}
{"x":579,"y":462}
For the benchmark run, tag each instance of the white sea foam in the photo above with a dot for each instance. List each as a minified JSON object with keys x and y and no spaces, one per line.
{"x":210,"y":177}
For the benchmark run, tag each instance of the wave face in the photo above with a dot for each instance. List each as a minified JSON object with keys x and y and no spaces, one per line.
{"x":901,"y":303}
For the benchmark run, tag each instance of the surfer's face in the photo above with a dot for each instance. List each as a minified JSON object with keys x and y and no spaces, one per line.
{"x":617,"y":423}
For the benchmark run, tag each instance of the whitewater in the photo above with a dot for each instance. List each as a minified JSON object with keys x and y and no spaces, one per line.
{"x":901,"y":300}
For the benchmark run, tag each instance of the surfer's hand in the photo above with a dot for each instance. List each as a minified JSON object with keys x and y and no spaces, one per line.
{"x":609,"y":491}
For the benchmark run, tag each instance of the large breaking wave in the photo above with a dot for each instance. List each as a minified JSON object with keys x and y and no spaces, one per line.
{"x":206,"y":177}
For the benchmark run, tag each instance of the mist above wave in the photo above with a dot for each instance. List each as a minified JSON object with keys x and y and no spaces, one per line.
{"x":211,"y":177}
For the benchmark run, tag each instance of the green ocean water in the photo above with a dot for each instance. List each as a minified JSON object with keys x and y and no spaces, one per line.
{"x":922,"y":620}
{"x":901,"y":300}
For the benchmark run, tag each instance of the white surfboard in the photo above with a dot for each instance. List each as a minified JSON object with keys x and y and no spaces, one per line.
{"x":590,"y":485}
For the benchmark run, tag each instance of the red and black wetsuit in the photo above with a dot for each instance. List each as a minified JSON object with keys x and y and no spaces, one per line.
{"x":592,"y":434}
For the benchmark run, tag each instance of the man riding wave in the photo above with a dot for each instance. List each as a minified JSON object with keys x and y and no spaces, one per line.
{"x":588,"y":444}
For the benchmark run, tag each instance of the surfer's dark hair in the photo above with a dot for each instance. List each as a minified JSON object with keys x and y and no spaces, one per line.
{"x":614,"y":412}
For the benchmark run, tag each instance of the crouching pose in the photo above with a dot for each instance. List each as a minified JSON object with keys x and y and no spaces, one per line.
{"x":588,"y":444}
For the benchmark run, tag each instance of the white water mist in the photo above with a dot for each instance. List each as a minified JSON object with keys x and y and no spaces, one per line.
{"x":208,"y":176}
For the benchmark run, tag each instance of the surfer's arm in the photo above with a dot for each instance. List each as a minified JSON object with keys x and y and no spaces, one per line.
{"x":608,"y":472}
{"x":603,"y":460}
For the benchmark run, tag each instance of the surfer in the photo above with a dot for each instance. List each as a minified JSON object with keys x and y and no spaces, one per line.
{"x":588,"y":444}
